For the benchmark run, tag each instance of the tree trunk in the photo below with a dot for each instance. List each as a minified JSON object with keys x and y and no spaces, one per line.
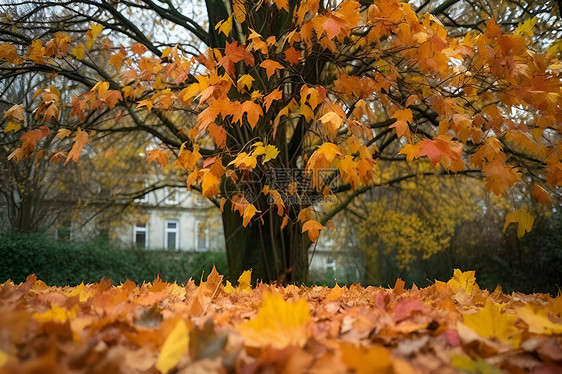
{"x":271,"y":253}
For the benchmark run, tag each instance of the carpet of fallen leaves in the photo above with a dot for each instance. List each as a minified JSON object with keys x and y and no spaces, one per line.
{"x":160,"y":327}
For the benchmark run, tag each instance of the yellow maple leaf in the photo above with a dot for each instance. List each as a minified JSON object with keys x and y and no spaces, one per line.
{"x":335,"y":293}
{"x":228,"y":287}
{"x":239,"y":10}
{"x":278,"y":324}
{"x":82,"y":292}
{"x":225,"y":26}
{"x":96,"y":29}
{"x":55,"y":314}
{"x":4,"y":358}
{"x":78,"y":51}
{"x":366,"y":360}
{"x":524,"y":221}
{"x":245,"y":281}
{"x":526,"y":28}
{"x":12,"y":126}
{"x":465,"y":280}
{"x":244,"y":82}
{"x":249,"y":212}
{"x":174,"y":347}
{"x":538,"y":321}
{"x":489,"y":322}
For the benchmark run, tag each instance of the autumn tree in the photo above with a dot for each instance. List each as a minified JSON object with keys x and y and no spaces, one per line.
{"x":274,"y":107}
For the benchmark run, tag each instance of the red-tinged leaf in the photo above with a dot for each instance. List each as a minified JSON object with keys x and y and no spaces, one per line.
{"x":273,"y":96}
{"x":50,"y":111}
{"x":109,"y":154}
{"x":442,"y":150}
{"x":138,"y":48}
{"x":541,"y":195}
{"x":333,"y":25}
{"x":80,"y":141}
{"x":58,"y":157}
{"x":292,"y":56}
{"x":401,"y":125}
{"x":312,"y":228}
{"x":270,"y":67}
{"x":218,"y":134}
{"x":253,"y":112}
{"x":111,"y":98}
{"x":158,"y":155}
{"x":406,"y":306}
{"x":30,"y":140}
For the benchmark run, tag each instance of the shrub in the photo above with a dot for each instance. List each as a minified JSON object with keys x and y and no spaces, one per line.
{"x":68,"y":263}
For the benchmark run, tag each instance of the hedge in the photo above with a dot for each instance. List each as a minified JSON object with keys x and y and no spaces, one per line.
{"x":69,"y":263}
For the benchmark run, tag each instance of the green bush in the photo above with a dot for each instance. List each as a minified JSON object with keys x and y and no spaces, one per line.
{"x":68,"y":263}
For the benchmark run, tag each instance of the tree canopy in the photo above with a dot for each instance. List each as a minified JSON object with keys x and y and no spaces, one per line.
{"x":272,"y":107}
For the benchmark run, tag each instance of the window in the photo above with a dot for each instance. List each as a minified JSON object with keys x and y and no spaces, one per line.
{"x":330,"y":263}
{"x":141,"y":235}
{"x":141,"y":199}
{"x":171,"y":194}
{"x":201,"y":237}
{"x":171,"y":235}
{"x":64,"y":230}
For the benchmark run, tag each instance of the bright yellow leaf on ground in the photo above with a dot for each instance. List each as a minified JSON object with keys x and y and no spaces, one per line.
{"x":538,"y":320}
{"x":82,"y":291}
{"x":55,"y":314}
{"x":3,"y":358}
{"x":335,"y":293}
{"x":174,"y":347}
{"x":366,"y":360}
{"x":465,"y":280}
{"x":489,"y":322}
{"x":278,"y":324}
{"x":245,"y":281}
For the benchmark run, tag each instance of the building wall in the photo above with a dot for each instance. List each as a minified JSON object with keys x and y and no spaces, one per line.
{"x":191,"y":215}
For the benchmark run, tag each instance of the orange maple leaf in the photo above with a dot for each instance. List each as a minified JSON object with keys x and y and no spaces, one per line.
{"x":292,"y":56}
{"x":313,"y":229}
{"x":274,"y":95}
{"x":158,"y":155}
{"x":79,"y":142}
{"x":270,"y":67}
